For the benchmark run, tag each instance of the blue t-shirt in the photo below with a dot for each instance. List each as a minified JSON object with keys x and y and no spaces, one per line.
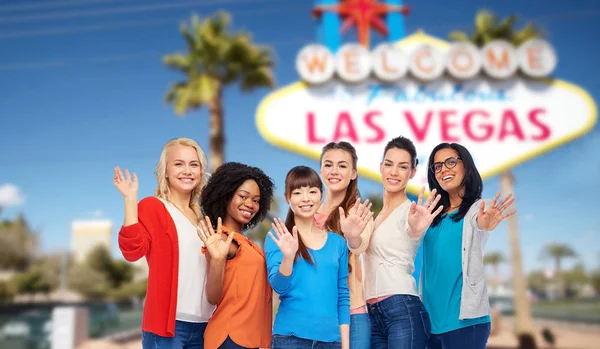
{"x":315,"y":299}
{"x":443,"y":277}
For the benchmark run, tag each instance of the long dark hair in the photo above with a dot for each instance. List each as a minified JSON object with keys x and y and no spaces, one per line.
{"x":333,"y":220}
{"x":472,"y":183}
{"x":298,"y":177}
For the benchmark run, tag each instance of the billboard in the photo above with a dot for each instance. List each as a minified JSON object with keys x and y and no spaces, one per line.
{"x":497,"y":101}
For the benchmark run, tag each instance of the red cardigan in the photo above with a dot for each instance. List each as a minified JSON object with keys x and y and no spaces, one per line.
{"x":155,"y":237}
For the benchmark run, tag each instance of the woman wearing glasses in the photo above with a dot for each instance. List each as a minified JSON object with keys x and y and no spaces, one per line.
{"x":453,"y":284}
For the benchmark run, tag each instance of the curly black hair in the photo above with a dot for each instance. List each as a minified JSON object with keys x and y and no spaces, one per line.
{"x":223,"y":184}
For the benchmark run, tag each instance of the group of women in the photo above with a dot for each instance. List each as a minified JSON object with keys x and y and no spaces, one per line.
{"x":343,"y":277}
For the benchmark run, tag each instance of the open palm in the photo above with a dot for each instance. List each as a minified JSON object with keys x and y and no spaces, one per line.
{"x":126,"y":184}
{"x":287,"y":243}
{"x":488,"y":219}
{"x":421,"y":216}
{"x":358,"y":217}
{"x":216,"y":247}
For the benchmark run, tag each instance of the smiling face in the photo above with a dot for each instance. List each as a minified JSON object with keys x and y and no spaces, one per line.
{"x":183,"y":170}
{"x":337,"y":170}
{"x":396,"y":170}
{"x":244,"y":204}
{"x":305,"y":201}
{"x":450,"y":179}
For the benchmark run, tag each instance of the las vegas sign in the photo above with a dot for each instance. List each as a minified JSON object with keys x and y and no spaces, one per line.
{"x":497,"y":101}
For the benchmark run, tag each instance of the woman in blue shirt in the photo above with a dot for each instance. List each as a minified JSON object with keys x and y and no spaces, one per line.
{"x":308,"y":268}
{"x":453,"y":283}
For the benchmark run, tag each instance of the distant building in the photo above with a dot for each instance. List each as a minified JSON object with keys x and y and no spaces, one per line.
{"x":87,"y":234}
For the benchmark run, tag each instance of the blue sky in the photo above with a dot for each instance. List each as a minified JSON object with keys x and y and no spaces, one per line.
{"x":82,"y":91}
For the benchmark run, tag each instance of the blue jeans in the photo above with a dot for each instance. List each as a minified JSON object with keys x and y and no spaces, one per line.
{"x":360,"y":331}
{"x":188,"y":335}
{"x":472,"y":337}
{"x":292,"y":342}
{"x":399,"y":322}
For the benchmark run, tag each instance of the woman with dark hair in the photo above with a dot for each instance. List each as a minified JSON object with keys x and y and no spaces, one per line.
{"x":398,"y":317}
{"x":239,"y":196}
{"x":453,"y":283}
{"x":308,"y":268}
{"x":337,"y":214}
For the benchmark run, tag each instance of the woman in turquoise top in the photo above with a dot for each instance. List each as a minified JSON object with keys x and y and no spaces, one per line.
{"x":453,"y":282}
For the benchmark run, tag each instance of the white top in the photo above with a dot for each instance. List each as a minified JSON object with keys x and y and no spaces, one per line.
{"x":390,"y":258}
{"x":192,"y":304}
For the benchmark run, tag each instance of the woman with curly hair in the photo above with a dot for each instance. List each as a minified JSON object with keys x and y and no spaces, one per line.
{"x":237,"y":197}
{"x":162,"y":228}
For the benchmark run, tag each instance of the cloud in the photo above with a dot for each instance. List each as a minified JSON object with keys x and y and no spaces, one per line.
{"x":98,"y":213}
{"x":10,"y":195}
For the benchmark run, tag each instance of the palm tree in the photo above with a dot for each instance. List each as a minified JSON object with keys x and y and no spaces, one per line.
{"x":558,"y":252}
{"x":494,"y":259}
{"x":214,"y":59}
{"x":488,"y":27}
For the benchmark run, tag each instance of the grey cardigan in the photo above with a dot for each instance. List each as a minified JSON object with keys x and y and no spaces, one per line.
{"x":474,"y":301}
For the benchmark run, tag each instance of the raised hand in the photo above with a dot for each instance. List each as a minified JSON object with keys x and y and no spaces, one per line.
{"x":421,"y":216}
{"x":126,"y":184}
{"x":488,"y":219}
{"x":216,"y":247}
{"x":358,"y":217}
{"x":287,"y":243}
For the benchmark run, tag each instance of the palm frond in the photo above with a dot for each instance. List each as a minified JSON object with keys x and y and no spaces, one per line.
{"x":459,"y":36}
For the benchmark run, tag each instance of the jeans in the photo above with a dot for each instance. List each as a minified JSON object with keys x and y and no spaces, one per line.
{"x":399,"y":322}
{"x":360,"y":331}
{"x":472,"y":337}
{"x":292,"y":342}
{"x":188,"y":335}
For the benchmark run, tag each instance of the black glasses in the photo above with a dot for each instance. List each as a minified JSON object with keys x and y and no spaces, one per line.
{"x":436,"y":167}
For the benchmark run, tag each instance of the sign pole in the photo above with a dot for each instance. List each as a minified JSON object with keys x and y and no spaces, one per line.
{"x":523,"y":320}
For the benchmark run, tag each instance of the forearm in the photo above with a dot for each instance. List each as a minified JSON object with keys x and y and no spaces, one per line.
{"x":413,"y":233}
{"x":345,"y":334}
{"x":131,"y":211}
{"x":214,"y":280}
{"x":286,"y":267}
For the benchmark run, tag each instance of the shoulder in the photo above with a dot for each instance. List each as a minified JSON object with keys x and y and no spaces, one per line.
{"x":269,"y":244}
{"x":337,"y":239}
{"x":151,"y":208}
{"x":475,"y":206}
{"x":151,"y":202}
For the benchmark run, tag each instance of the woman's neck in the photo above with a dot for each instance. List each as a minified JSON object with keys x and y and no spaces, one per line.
{"x":332,"y":200}
{"x":232,"y":224}
{"x":455,"y":199}
{"x":392,"y":200}
{"x":181,"y":200}
{"x":306,"y":225}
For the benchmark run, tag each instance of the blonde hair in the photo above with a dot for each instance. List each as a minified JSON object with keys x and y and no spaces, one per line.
{"x":163,"y":191}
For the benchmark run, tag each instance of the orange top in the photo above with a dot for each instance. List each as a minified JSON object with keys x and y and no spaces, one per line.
{"x":245,"y":311}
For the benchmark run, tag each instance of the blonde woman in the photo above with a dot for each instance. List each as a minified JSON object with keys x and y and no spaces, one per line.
{"x":163,"y":228}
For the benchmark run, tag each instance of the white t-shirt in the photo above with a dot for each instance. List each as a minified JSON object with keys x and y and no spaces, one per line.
{"x":192,"y":304}
{"x":390,"y":258}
